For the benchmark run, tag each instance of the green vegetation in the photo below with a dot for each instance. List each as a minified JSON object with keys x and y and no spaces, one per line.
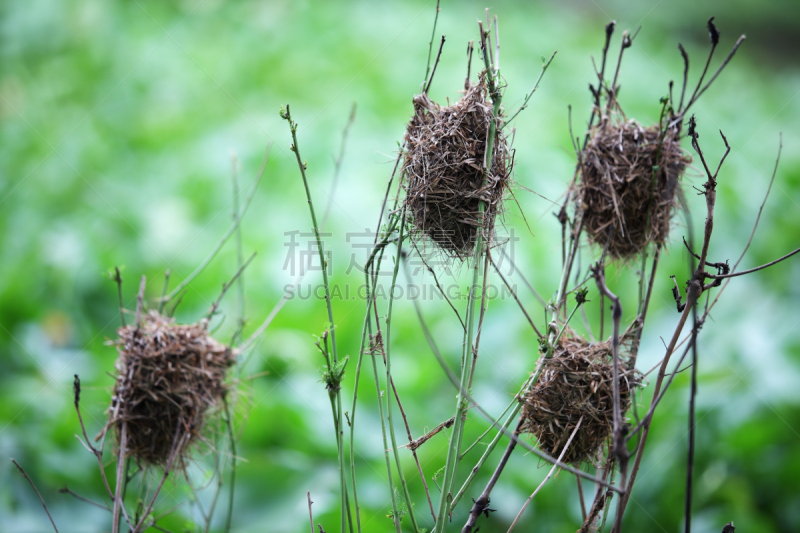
{"x":117,"y":125}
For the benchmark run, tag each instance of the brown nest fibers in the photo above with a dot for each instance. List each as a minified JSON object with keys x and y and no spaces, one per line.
{"x":576,"y":382}
{"x":446,"y":176}
{"x":168,"y":376}
{"x":629,"y":180}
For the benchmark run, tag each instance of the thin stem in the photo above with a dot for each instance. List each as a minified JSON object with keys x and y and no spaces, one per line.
{"x":618,"y":446}
{"x":490,"y":448}
{"x":516,"y":298}
{"x":692,"y":295}
{"x":466,"y":361}
{"x":77,"y":496}
{"x":690,"y":451}
{"x":366,"y":330}
{"x":231,"y":436}
{"x":337,"y":162}
{"x":123,"y":442}
{"x":225,"y":237}
{"x":756,"y":269}
{"x":162,"y":301}
{"x":30,"y":481}
{"x":581,"y":499}
{"x":302,"y":166}
{"x":239,"y":249}
{"x":176,"y":446}
{"x":547,"y":477}
{"x":388,"y":362}
{"x":228,"y":285}
{"x":436,"y":282}
{"x":530,"y":94}
{"x":395,"y":514}
{"x":332,"y":328}
{"x":755,"y":225}
{"x":428,"y":76}
{"x":118,"y":279}
{"x":562,"y":286}
{"x":310,"y":514}
{"x":482,"y":503}
{"x":438,"y":56}
{"x":477,"y":441}
{"x":524,"y":279}
{"x":721,"y":67}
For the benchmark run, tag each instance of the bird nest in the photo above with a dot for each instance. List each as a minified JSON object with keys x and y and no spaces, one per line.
{"x":629,"y":180}
{"x":446,"y":178}
{"x":168,"y":377}
{"x":576,"y":384}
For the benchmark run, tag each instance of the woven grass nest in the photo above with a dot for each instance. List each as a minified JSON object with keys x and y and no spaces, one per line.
{"x":629,"y":180}
{"x":444,"y":169}
{"x":168,"y":378}
{"x":577,"y":381}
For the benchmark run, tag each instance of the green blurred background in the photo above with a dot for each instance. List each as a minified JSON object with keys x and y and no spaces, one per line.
{"x":117,"y":125}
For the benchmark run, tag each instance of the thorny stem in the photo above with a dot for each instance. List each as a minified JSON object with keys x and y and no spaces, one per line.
{"x":286,"y":115}
{"x":366,"y":333}
{"x":453,"y":451}
{"x":492,"y":445}
{"x":377,"y":347}
{"x":388,"y":362}
{"x":482,"y":503}
{"x":619,"y":449}
{"x":276,"y":309}
{"x":694,"y":290}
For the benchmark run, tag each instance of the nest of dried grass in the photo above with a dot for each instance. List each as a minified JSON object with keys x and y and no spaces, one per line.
{"x":168,"y":377}
{"x":445,"y":170}
{"x":576,"y":382}
{"x":629,"y":180}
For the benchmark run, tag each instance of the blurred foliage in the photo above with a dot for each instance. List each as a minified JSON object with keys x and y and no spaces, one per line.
{"x":117,"y":125}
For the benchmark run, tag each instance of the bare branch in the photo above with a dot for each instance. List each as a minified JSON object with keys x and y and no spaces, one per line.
{"x":25,"y":475}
